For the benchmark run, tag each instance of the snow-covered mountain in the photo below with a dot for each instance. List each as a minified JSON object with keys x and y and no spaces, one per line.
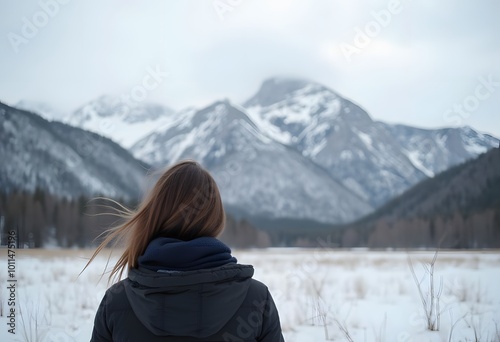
{"x":64,"y":160}
{"x":296,"y":149}
{"x":434,"y":151}
{"x":256,"y":174}
{"x":375,"y":160}
{"x":125,"y":122}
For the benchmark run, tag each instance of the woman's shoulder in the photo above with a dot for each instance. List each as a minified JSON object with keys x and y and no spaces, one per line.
{"x":116,"y":294}
{"x":257,"y":285}
{"x":117,"y":287}
{"x":258,"y":292}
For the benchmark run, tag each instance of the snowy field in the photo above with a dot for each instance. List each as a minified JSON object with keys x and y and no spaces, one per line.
{"x":322,"y":295}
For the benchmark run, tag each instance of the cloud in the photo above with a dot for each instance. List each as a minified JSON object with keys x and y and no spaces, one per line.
{"x":418,"y":62}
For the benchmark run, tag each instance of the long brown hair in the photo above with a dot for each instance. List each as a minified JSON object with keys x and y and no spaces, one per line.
{"x":185,"y":203}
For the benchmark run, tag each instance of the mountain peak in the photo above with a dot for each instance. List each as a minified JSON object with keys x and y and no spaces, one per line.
{"x":125,"y":108}
{"x":290,"y":81}
{"x":277,"y":89}
{"x":289,"y":108}
{"x":120,"y":118}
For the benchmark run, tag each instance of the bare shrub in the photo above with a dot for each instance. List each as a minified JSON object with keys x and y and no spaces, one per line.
{"x":322,"y":315}
{"x":343,"y":329}
{"x":453,"y":324}
{"x":431,"y":298}
{"x":320,"y":309}
{"x":475,"y":324}
{"x":467,"y":291}
{"x":380,"y":334}
{"x":34,"y":323}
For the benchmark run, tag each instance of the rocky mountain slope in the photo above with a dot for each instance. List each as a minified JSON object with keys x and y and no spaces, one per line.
{"x":473,"y":185}
{"x":295,"y":150}
{"x":375,"y":160}
{"x":256,"y":175}
{"x":122,"y":120}
{"x":64,"y":160}
{"x":459,"y":208}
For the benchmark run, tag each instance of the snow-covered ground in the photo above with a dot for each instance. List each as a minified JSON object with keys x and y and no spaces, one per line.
{"x":321,"y":294}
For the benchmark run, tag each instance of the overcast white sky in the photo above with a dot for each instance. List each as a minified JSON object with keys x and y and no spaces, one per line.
{"x":417,"y":65}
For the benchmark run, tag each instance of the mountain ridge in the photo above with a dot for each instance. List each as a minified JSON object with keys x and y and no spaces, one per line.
{"x":276,"y":180}
{"x":365,"y":155}
{"x":63,"y":159}
{"x":293,"y":131}
{"x":459,"y":208}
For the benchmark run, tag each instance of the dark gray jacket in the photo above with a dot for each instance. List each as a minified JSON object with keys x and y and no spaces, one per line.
{"x":217,"y":304}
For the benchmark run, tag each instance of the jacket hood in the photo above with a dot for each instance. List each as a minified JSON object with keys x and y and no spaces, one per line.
{"x":187,"y":303}
{"x":165,"y":253}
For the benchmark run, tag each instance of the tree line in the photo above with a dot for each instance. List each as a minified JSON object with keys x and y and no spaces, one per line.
{"x":41,"y":219}
{"x":459,"y":230}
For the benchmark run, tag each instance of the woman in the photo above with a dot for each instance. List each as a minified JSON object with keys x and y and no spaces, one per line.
{"x":183,"y":284}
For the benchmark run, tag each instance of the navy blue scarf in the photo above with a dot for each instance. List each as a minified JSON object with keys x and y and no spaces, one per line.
{"x":177,"y":255}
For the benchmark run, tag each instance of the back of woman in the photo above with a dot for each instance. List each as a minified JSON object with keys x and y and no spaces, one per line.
{"x":183,"y":283}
